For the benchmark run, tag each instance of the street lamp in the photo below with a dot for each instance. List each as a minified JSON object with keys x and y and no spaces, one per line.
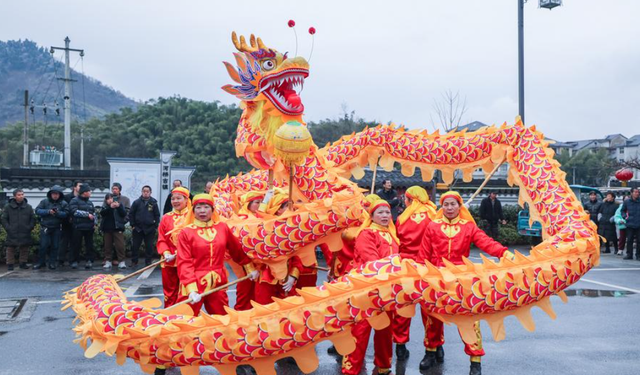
{"x":548,"y":4}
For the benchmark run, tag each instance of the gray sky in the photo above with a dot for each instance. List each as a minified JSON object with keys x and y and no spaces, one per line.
{"x":385,"y":60}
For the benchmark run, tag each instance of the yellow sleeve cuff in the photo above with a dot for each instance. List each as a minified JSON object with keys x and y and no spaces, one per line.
{"x":509,"y":255}
{"x":295,"y":273}
{"x":248,"y":268}
{"x":193,"y":287}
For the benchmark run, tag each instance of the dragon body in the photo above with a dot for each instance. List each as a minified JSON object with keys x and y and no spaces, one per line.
{"x":329,"y":204}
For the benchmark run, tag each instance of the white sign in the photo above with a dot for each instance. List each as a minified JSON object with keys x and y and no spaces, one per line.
{"x":133,"y":176}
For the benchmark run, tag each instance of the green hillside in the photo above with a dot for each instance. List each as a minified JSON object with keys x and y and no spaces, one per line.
{"x":26,"y":66}
{"x":202,"y":133}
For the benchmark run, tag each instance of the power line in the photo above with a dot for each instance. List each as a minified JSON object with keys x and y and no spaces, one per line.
{"x":42,"y":74}
{"x":84,"y":101}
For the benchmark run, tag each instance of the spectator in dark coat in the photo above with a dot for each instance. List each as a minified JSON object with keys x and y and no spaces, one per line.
{"x":631,"y":209}
{"x":114,"y":217}
{"x":84,"y":221}
{"x":18,"y":221}
{"x":389,"y":194}
{"x":52,"y":210}
{"x":66,"y":238}
{"x":606,"y":223}
{"x":593,"y":206}
{"x":491,"y":213}
{"x":144,"y":217}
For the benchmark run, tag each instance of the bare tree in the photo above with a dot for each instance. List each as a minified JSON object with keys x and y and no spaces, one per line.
{"x":631,"y":163}
{"x":449,"y":109}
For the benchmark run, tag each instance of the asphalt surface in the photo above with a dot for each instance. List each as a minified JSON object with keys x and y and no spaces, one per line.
{"x":597,"y":332}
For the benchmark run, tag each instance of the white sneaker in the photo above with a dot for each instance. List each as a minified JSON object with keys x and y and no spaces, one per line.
{"x":619,"y":252}
{"x":122,"y":265}
{"x":107,"y":265}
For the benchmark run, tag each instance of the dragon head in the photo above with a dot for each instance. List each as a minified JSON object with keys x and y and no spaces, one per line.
{"x":266,"y":75}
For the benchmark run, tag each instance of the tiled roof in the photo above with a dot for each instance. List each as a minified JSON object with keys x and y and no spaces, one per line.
{"x":472,"y":126}
{"x":37,"y":178}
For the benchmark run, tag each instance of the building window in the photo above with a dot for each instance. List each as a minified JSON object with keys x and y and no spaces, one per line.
{"x":621,"y":150}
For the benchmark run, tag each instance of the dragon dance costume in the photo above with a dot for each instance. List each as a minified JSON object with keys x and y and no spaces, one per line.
{"x":451,"y":239}
{"x":373,"y":242}
{"x":168,"y":245}
{"x":201,"y":253}
{"x":267,"y":83}
{"x":411,"y":226}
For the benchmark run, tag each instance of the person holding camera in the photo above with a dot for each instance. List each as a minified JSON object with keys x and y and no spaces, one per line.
{"x":52,"y":211}
{"x":65,"y":248}
{"x":84,"y":221}
{"x":113,"y":216}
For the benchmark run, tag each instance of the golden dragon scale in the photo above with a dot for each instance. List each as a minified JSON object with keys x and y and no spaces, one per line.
{"x":460,"y":294}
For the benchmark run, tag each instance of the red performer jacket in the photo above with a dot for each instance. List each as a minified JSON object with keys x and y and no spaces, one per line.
{"x":295,"y":268}
{"x":373,"y":244}
{"x":344,"y":259}
{"x":410,"y":234}
{"x":201,"y":252}
{"x":165,"y":242}
{"x":452,"y":240}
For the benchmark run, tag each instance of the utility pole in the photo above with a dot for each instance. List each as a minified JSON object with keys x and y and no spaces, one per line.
{"x":25,"y":136}
{"x":521,"y":59}
{"x":547,"y":4}
{"x":82,"y":147}
{"x":67,"y":98}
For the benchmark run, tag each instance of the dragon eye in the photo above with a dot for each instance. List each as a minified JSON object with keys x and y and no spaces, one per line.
{"x":268,"y":64}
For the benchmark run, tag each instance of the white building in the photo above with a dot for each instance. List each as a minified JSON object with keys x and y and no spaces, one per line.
{"x":619,"y":147}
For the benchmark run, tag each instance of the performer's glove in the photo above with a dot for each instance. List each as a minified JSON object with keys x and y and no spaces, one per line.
{"x":168,"y":257}
{"x":195,"y":297}
{"x":288,"y":285}
{"x":253,"y":275}
{"x":267,"y":196}
{"x":509,"y":255}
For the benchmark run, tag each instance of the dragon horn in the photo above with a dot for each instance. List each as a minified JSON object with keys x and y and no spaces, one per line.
{"x":261,"y":45}
{"x":242,"y":45}
{"x":234,"y":39}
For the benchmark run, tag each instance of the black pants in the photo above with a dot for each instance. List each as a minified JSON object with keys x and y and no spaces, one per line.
{"x":149,"y":244}
{"x":49,"y":241}
{"x":491,"y":229}
{"x":633,"y":233}
{"x":78,"y":235}
{"x":65,"y":250}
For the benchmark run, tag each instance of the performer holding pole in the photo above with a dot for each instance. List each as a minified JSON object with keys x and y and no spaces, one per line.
{"x":449,"y":236}
{"x":245,"y":291}
{"x":377,"y":239}
{"x":268,"y":286}
{"x":411,"y":226}
{"x":167,"y":245}
{"x":202,"y":246}
{"x":305,"y":275}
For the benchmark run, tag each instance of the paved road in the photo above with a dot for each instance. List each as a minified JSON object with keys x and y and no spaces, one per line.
{"x":597,"y":332}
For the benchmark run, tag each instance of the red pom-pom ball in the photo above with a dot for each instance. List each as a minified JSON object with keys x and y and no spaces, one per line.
{"x":291,"y":23}
{"x":312,"y":30}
